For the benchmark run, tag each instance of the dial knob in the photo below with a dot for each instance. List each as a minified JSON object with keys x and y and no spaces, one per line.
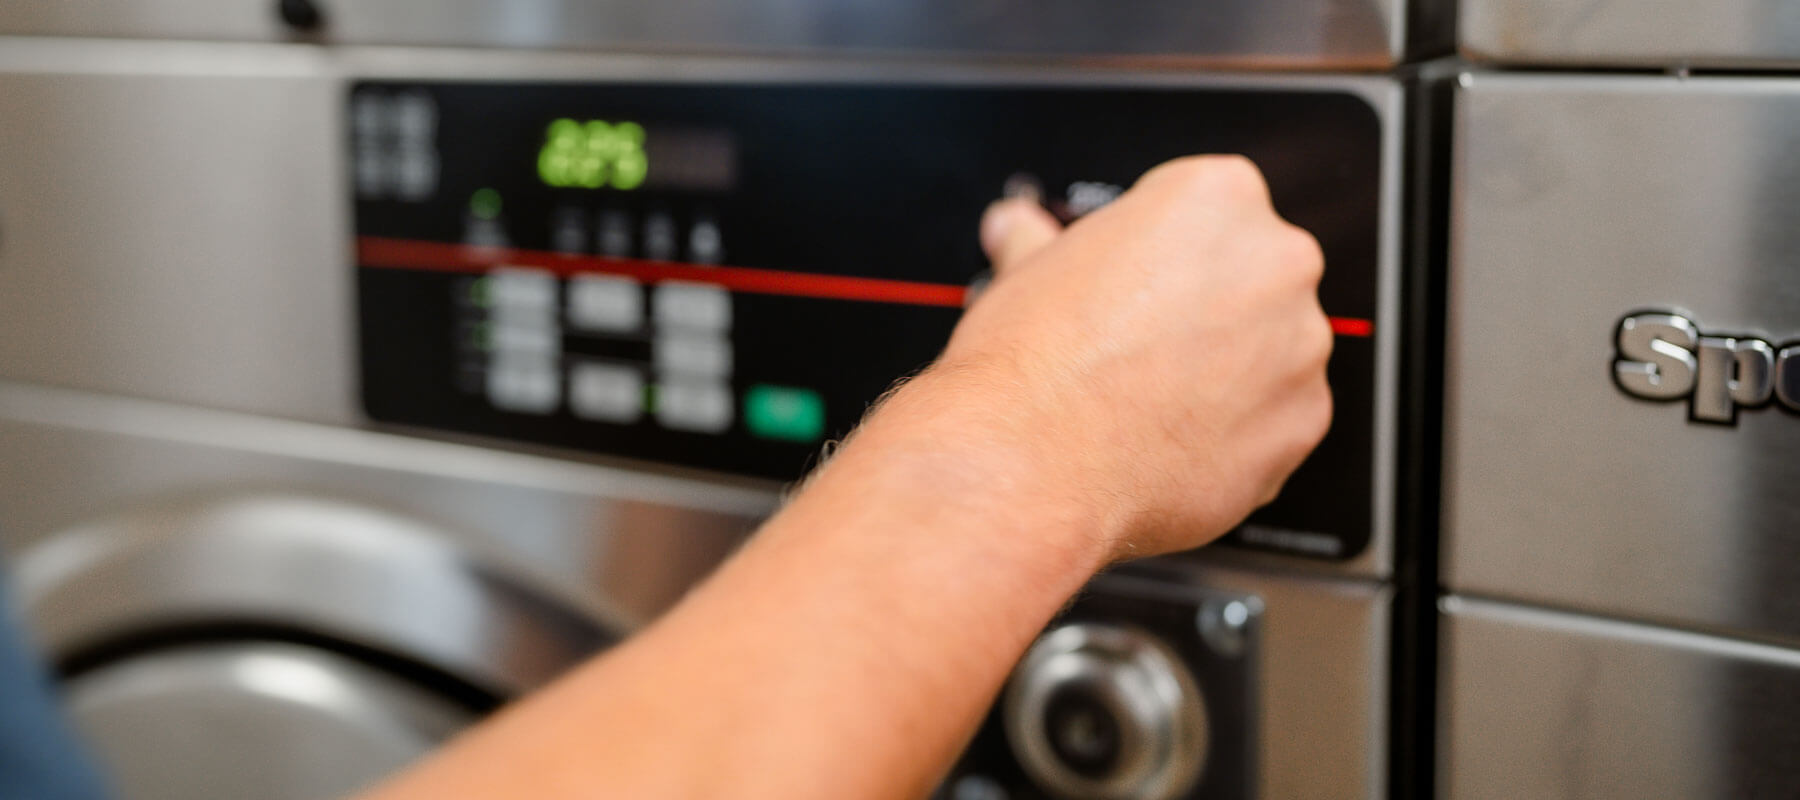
{"x":1103,"y":712}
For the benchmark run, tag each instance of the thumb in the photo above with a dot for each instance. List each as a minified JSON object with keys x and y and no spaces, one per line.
{"x":1012,"y":230}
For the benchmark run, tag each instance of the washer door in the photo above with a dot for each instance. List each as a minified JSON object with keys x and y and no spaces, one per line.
{"x":262,"y":719}
{"x":284,"y":646}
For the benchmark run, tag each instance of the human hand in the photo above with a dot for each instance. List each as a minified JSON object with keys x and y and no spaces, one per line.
{"x":1164,"y":356}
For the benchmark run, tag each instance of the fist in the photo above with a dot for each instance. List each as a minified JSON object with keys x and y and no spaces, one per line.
{"x":1165,"y":355}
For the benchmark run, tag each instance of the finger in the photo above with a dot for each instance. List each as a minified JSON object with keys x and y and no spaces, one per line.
{"x":1012,"y":230}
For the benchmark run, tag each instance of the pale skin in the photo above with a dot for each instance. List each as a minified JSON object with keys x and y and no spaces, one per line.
{"x":1133,"y":385}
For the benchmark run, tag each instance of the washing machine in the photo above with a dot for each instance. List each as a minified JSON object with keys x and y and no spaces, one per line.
{"x":1620,"y":404}
{"x":364,"y":366}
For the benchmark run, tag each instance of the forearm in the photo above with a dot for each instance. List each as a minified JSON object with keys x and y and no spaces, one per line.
{"x":846,"y":652}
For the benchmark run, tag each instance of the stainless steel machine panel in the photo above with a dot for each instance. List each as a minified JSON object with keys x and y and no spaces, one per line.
{"x":1249,"y":33}
{"x":1726,"y":33}
{"x":1557,"y":706}
{"x":170,"y":263}
{"x":1578,"y":201}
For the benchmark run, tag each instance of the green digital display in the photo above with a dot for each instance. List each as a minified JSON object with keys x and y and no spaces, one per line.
{"x":594,"y":154}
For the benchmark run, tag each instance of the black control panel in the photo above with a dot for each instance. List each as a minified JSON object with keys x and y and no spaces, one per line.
{"x":725,"y":276}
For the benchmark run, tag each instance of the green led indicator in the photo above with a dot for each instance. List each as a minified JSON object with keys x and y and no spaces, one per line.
{"x":593,"y":155}
{"x":784,"y":412}
{"x":485,"y":204}
{"x":650,"y":398}
{"x":480,"y":293}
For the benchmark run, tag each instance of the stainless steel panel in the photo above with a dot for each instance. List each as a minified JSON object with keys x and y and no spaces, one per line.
{"x":1576,"y":201}
{"x":1728,"y":33}
{"x":1556,"y":706}
{"x":171,"y":227}
{"x":625,"y":542}
{"x":202,"y":256}
{"x":1258,"y":33}
{"x":1324,"y":644}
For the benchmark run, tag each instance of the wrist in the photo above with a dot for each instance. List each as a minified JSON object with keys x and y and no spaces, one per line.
{"x":958,"y":440}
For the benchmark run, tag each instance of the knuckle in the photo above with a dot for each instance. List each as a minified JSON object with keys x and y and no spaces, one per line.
{"x":1231,"y":177}
{"x":1303,"y":251}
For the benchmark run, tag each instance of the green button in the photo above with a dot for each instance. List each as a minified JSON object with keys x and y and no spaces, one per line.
{"x":784,"y":412}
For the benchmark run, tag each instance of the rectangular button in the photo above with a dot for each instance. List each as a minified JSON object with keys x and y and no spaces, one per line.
{"x":519,"y":289}
{"x":524,"y":384}
{"x":694,"y":405}
{"x":784,"y":412}
{"x":605,"y":303}
{"x":606,"y":392}
{"x":691,"y":353}
{"x":509,"y":337}
{"x":701,"y":306}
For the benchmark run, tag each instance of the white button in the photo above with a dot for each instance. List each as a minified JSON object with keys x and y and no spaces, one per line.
{"x":698,"y":406}
{"x":702,"y":306}
{"x":705,"y":244}
{"x":605,"y":303}
{"x":371,"y":171}
{"x":416,"y":172}
{"x":695,"y":353}
{"x":525,"y":384}
{"x":368,"y":116}
{"x":543,"y":340}
{"x":523,"y":290}
{"x":606,"y":392}
{"x":415,"y":118}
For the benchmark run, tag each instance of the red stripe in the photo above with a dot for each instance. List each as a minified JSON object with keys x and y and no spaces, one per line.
{"x":436,"y":256}
{"x":373,"y":251}
{"x":1351,"y":326}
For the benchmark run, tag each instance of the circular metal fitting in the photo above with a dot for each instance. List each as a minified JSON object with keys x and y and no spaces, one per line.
{"x":1101,"y":712}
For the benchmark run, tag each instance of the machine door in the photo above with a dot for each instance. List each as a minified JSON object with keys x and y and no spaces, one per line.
{"x":283,"y":647}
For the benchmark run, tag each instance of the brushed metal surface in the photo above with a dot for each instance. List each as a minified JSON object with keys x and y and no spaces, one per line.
{"x":1558,"y":706}
{"x":266,"y":720}
{"x":1324,"y":645}
{"x":1254,"y":33}
{"x":626,"y":542}
{"x":1699,"y":33}
{"x":173,"y":263}
{"x":1578,"y":200}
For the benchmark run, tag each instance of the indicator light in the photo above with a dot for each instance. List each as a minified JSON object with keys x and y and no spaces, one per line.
{"x":485,"y":204}
{"x":784,"y":412}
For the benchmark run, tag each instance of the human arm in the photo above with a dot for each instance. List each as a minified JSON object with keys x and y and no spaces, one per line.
{"x":1133,"y":385}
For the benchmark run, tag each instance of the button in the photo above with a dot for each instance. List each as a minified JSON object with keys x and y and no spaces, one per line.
{"x":519,"y":289}
{"x":569,"y":231}
{"x":525,"y":384}
{"x":977,"y":787}
{"x":606,"y":392}
{"x":606,"y":303}
{"x":702,"y":306}
{"x":615,"y":234}
{"x":784,"y":412}
{"x":693,"y":353}
{"x":372,"y":177}
{"x":705,"y":244}
{"x":693,"y":405}
{"x":415,"y":118}
{"x":416,"y":172}
{"x":533,"y":339}
{"x":659,"y":237}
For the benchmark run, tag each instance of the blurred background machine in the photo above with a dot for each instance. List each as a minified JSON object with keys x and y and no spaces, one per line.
{"x":362,"y":365}
{"x":1621,"y":387}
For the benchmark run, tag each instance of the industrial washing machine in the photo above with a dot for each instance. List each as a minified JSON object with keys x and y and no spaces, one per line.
{"x":364,"y":365}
